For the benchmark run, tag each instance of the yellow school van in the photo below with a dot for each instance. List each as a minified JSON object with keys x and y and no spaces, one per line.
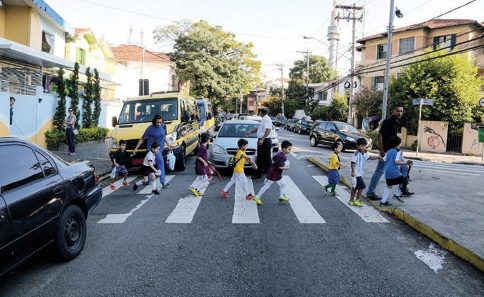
{"x":181,"y":116}
{"x":207,"y":121}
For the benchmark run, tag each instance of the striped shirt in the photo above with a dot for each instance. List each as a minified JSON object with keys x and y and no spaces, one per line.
{"x":359,"y":159}
{"x":274,"y":172}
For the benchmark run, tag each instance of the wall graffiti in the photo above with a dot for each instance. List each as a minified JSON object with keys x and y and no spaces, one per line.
{"x":434,"y":140}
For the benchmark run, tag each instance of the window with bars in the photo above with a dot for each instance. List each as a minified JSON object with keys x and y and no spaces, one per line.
{"x":382,"y":51}
{"x":446,"y":42}
{"x":407,"y":45}
{"x":377,"y":82}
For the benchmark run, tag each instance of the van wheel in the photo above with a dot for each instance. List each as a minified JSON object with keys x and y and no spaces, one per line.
{"x":181,"y":162}
{"x":71,"y":235}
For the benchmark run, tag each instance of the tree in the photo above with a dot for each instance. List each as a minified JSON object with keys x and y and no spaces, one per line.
{"x":368,"y":101}
{"x":96,"y":98}
{"x":86,"y":105}
{"x":74,"y":92}
{"x":290,"y":107}
{"x":274,"y":105}
{"x":319,"y":70}
{"x":212,"y":60}
{"x":321,"y":113}
{"x":452,"y":81}
{"x":60,"y":111}
{"x":338,"y":109}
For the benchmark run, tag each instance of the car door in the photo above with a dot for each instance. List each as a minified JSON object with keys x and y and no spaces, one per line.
{"x":34,"y":193}
{"x":6,"y":259}
{"x":320,"y":132}
{"x":331,"y":133}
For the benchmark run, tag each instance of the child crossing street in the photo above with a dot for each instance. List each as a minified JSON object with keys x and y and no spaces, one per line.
{"x":239,"y":176}
{"x":119,"y":161}
{"x":274,"y":174}
{"x":334,"y":166}
{"x":201,"y":165}
{"x":149,"y":168}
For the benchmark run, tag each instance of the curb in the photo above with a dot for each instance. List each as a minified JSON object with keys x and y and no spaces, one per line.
{"x":440,"y":239}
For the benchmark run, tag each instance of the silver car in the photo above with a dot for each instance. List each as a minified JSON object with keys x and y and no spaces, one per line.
{"x":225,"y":145}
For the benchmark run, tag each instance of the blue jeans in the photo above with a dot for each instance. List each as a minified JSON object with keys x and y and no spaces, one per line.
{"x":70,"y":140}
{"x":160,"y":165}
{"x":380,"y":169}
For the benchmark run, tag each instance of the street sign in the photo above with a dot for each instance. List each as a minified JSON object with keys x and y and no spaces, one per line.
{"x":481,"y":102}
{"x":425,"y":101}
{"x":481,"y":134}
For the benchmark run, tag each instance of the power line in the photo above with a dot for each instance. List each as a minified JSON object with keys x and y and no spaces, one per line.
{"x":452,"y":10}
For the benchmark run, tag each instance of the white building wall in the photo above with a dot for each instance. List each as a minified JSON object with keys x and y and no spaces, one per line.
{"x":59,"y":36}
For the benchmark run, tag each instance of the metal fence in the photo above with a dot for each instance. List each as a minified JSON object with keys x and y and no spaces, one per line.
{"x":454,"y":143}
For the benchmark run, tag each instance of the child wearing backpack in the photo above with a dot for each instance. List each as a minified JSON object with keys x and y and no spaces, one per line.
{"x":201,"y":165}
{"x":279,"y":163}
{"x":239,"y":176}
{"x":334,"y":166}
{"x":149,"y":168}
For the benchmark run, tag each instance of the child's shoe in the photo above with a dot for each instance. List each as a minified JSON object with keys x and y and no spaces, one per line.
{"x":334,"y":194}
{"x":352,"y":203}
{"x":249,"y":197}
{"x":135,"y":187}
{"x":398,"y":198}
{"x":283,"y":198}
{"x":385,"y":203}
{"x":112,"y":187}
{"x":155,"y":192}
{"x":226,"y":195}
{"x":358,"y":203}
{"x":194,"y":191}
{"x":125,"y":183}
{"x":325,"y":191}
{"x":164,"y":185}
{"x":257,"y":200}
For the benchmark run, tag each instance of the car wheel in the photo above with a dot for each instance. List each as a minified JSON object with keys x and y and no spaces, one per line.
{"x":71,"y":235}
{"x":312,"y":141}
{"x":299,"y":131}
{"x":181,"y":161}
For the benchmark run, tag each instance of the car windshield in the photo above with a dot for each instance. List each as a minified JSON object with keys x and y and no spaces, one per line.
{"x":238,"y":130}
{"x":143,"y":111}
{"x":343,"y":127}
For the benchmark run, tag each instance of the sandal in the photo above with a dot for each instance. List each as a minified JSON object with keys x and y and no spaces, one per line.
{"x":398,"y":198}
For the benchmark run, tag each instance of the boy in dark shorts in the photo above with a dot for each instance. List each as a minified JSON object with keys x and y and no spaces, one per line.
{"x":357,"y":168}
{"x":119,"y":161}
{"x":149,"y":169}
{"x":394,"y":160}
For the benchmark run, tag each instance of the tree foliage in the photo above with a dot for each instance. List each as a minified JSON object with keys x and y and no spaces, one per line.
{"x":74,"y":92}
{"x":338,"y":109}
{"x":321,"y":113}
{"x":453,"y":83}
{"x":368,"y":102}
{"x":214,"y":62}
{"x":60,"y":110}
{"x":86,"y":104}
{"x":96,"y":98}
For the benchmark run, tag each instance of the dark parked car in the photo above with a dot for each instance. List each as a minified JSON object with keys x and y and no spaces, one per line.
{"x":280,"y":121}
{"x":43,"y":201}
{"x":273,"y":120}
{"x":326,"y":133}
{"x":303,"y":127}
{"x":290,"y":124}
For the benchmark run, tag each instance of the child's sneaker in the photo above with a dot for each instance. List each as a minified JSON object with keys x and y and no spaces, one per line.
{"x":135,"y":187}
{"x":352,"y":203}
{"x":358,"y":203}
{"x":125,"y":183}
{"x":155,"y":192}
{"x":398,"y":198}
{"x":325,"y":191}
{"x":194,"y":191}
{"x":283,"y":198}
{"x":226,"y":195}
{"x":385,"y":203}
{"x":334,"y":194}
{"x":164,"y":185}
{"x":112,"y":187}
{"x":249,"y":197}
{"x":257,"y":200}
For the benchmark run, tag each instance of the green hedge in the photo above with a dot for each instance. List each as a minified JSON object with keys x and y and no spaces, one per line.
{"x":58,"y":137}
{"x":374,"y":137}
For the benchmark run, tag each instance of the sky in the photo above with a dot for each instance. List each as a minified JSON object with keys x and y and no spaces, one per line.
{"x":275,"y":27}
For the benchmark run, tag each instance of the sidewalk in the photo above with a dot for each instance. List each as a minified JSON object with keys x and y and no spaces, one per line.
{"x":451,"y":224}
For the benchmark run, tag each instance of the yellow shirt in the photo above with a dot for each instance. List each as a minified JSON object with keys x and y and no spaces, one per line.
{"x":239,"y":167}
{"x":333,"y":162}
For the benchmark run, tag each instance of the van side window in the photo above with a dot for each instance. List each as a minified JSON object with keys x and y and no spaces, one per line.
{"x":183,"y":108}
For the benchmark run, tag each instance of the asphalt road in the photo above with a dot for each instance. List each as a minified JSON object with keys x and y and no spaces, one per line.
{"x":178,"y":245}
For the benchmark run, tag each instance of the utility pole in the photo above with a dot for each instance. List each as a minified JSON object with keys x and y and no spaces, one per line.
{"x":281,"y":67}
{"x":351,"y":10}
{"x":307,"y":53}
{"x":333,"y":38}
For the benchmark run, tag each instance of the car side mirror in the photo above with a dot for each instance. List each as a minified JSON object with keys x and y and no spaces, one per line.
{"x":114,"y":121}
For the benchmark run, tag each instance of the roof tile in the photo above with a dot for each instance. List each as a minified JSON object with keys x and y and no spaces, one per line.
{"x":125,"y":52}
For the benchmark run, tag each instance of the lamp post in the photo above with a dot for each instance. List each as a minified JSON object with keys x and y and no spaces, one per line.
{"x":399,"y":14}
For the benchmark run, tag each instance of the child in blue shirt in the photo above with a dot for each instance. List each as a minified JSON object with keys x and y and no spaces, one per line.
{"x":393,"y":161}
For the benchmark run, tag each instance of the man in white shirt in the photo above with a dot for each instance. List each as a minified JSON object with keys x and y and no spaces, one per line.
{"x":264,"y":145}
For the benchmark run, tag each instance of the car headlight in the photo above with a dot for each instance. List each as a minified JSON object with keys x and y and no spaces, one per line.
{"x":171,"y":137}
{"x":217,"y":149}
{"x":349,"y":138}
{"x":113,"y":143}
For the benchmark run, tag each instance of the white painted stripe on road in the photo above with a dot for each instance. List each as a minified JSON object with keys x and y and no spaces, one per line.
{"x":434,"y":257}
{"x":186,"y":207}
{"x":147,"y":189}
{"x":303,"y":209}
{"x":121,"y":218}
{"x":245,"y":211}
{"x":107,"y":190}
{"x":366,"y":213}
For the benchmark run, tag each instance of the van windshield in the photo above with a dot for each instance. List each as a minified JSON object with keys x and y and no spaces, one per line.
{"x":143,"y":111}
{"x":201,"y":110}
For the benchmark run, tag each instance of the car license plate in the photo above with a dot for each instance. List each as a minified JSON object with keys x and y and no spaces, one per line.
{"x":137,"y":161}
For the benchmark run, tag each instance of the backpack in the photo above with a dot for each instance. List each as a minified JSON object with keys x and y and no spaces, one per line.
{"x":232,"y":162}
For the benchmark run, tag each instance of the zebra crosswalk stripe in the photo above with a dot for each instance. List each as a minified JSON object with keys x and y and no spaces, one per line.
{"x":119,"y":183}
{"x":245,"y":211}
{"x":303,"y":209}
{"x":366,"y":213}
{"x":147,"y":189}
